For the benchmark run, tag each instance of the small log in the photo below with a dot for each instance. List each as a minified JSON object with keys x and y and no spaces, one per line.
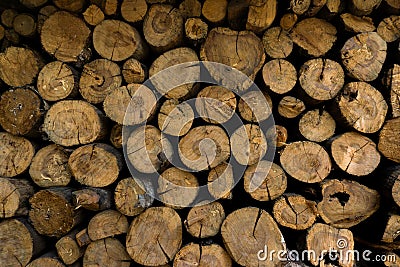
{"x":261,"y":15}
{"x":47,"y":260}
{"x":248,"y":144}
{"x":70,"y":5}
{"x":168,"y":59}
{"x":220,"y":181}
{"x":44,"y":13}
{"x":392,"y":228}
{"x":290,"y":107}
{"x":306,"y":161}
{"x":216,"y":104}
{"x":20,"y":111}
{"x":362,"y":8}
{"x":106,"y":252}
{"x":295,"y":212}
{"x":117,"y":40}
{"x":389,"y":29}
{"x":147,"y":149}
{"x":92,"y":199}
{"x":52,"y":212}
{"x":116,"y":136}
{"x":215,"y":10}
{"x":134,"y":72}
{"x":288,"y":20}
{"x":355,"y":154}
{"x":299,"y":7}
{"x":317,"y":125}
{"x":99,"y":78}
{"x":133,"y":10}
{"x":315,"y":7}
{"x":255,"y":106}
{"x":25,"y":25}
{"x":14,"y":195}
{"x":16,"y":154}
{"x":175,"y":118}
{"x":205,"y":221}
{"x":74,"y":122}
{"x":20,"y":242}
{"x":109,"y":7}
{"x":277,"y":136}
{"x":8,"y":16}
{"x":82,"y":238}
{"x":389,"y":141}
{"x":277,"y":42}
{"x":323,"y":239}
{"x":190,"y":9}
{"x":346,"y":203}
{"x":17,"y":60}
{"x":177,"y":188}
{"x":245,"y":231}
{"x":68,"y":249}
{"x":163,"y":27}
{"x":279,"y":75}
{"x":334,"y":7}
{"x":229,"y":47}
{"x":199,"y":255}
{"x":237,"y":14}
{"x":195,"y":29}
{"x":362,"y":107}
{"x":58,"y":30}
{"x":93,"y":15}
{"x":162,"y":242}
{"x":132,"y":196}
{"x":357,"y":24}
{"x":265,"y":181}
{"x":57,"y":81}
{"x":314,"y":35}
{"x":131,"y":104}
{"x":107,"y":223}
{"x":393,"y":81}
{"x":363,"y":55}
{"x":96,"y":165}
{"x":321,"y":79}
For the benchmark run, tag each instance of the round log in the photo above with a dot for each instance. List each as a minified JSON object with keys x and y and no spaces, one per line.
{"x":93,"y":15}
{"x":288,"y":20}
{"x":175,"y":118}
{"x":190,"y":9}
{"x":220,"y":181}
{"x":214,"y":10}
{"x":317,"y":125}
{"x":290,"y":107}
{"x":107,"y":223}
{"x":70,"y":5}
{"x":393,"y":81}
{"x":7,"y":17}
{"x":116,"y":136}
{"x":391,"y":229}
{"x":357,"y":24}
{"x":362,"y":8}
{"x":261,"y":15}
{"x":92,"y":199}
{"x":44,"y":14}
{"x":277,"y":42}
{"x":14,"y":195}
{"x":389,"y":141}
{"x":68,"y":249}
{"x":299,"y":7}
{"x":389,"y":29}
{"x":279,"y":75}
{"x":106,"y":252}
{"x":82,"y":238}
{"x":134,"y":72}
{"x":392,"y":183}
{"x":277,"y":136}
{"x":195,"y":29}
{"x":255,"y":106}
{"x":133,"y":10}
{"x":25,"y":25}
{"x":199,"y":255}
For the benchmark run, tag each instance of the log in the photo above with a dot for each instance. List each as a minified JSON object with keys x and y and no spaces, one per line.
{"x":93,"y":15}
{"x":199,"y":255}
{"x":237,"y":11}
{"x":166,"y":60}
{"x":247,"y":230}
{"x":362,"y":107}
{"x":290,"y":107}
{"x":20,"y":111}
{"x":190,"y":9}
{"x":44,"y":13}
{"x":70,"y":5}
{"x":355,"y":154}
{"x":106,"y":252}
{"x":321,"y":79}
{"x":216,"y":104}
{"x":109,"y":7}
{"x":255,"y":106}
{"x":277,"y":136}
{"x":130,"y":105}
{"x":389,"y":29}
{"x":334,"y":7}
{"x":295,"y":212}
{"x":147,"y":149}
{"x":133,"y":10}
{"x":163,"y":27}
{"x":132,"y":196}
{"x":134,"y":71}
{"x":346,"y":203}
{"x":14,"y":195}
{"x":391,"y":184}
{"x":17,"y":60}
{"x":215,"y":10}
{"x":323,"y":239}
{"x":15,"y":156}
{"x":117,"y":40}
{"x":392,"y":228}
{"x":357,"y":24}
{"x":315,"y":36}
{"x":162,"y":242}
{"x":317,"y":125}
{"x":393,"y":82}
{"x":96,"y":165}
{"x":68,"y":249}
{"x":248,"y":144}
{"x":8,"y":16}
{"x":205,"y":220}
{"x":361,"y":8}
{"x":107,"y":223}
{"x":116,"y":136}
{"x":177,"y":188}
{"x":363,"y":56}
{"x":277,"y":43}
{"x":196,"y":30}
{"x":58,"y":30}
{"x":229,"y":47}
{"x":52,"y":212}
{"x":175,"y":118}
{"x":47,"y":260}
{"x":389,"y":142}
{"x":82,"y":238}
{"x":220,"y":181}
{"x":279,"y":75}
{"x":25,"y":25}
{"x":204,"y":147}
{"x":306,"y":161}
{"x":99,"y":78}
{"x":288,"y":20}
{"x":74,"y":122}
{"x":299,"y":7}
{"x":92,"y":199}
{"x":261,"y":15}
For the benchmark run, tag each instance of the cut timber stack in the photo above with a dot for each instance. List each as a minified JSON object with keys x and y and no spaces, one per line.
{"x":292,"y":145}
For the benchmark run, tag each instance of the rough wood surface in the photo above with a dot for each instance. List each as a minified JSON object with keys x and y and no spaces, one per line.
{"x":108,"y":223}
{"x":255,"y":106}
{"x":389,"y":28}
{"x":134,"y":71}
{"x":202,"y":255}
{"x":261,"y":15}
{"x":279,"y":75}
{"x":106,"y":252}
{"x":317,"y":125}
{"x":361,"y":7}
{"x":68,"y":249}
{"x":221,"y":181}
{"x":195,"y":29}
{"x":290,"y":107}
{"x":175,"y":118}
{"x":25,"y":25}
{"x":133,"y":10}
{"x":14,"y":195}
{"x":214,"y":10}
{"x":393,"y":82}
{"x":389,"y":141}
{"x":277,"y":42}
{"x":190,"y":8}
{"x":93,"y":15}
{"x":95,"y":199}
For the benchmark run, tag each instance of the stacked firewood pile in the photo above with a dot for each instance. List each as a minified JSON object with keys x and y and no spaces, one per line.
{"x":325,"y":177}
